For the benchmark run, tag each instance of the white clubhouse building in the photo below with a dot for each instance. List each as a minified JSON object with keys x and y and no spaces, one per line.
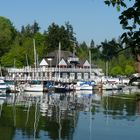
{"x":66,"y":68}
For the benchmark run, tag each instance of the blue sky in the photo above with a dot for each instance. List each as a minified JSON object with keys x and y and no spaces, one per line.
{"x":91,"y":19}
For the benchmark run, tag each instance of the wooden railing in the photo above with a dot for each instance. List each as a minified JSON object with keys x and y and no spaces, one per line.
{"x":24,"y":70}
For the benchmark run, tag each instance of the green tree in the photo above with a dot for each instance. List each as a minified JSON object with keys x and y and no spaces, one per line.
{"x":27,"y":31}
{"x":52,"y":37}
{"x":14,"y":57}
{"x":35,"y":28}
{"x":7,"y":35}
{"x":30,"y":30}
{"x":40,"y":45}
{"x":82,"y":51}
{"x":71,"y":33}
{"x":109,"y":50}
{"x":63,"y":34}
{"x":23,"y":51}
{"x":92,"y":44}
{"x":130,"y":21}
{"x":117,"y":70}
{"x":95,"y":51}
{"x":129,"y":70}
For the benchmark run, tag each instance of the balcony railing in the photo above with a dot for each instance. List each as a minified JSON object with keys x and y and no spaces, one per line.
{"x":53,"y":70}
{"x":73,"y":59}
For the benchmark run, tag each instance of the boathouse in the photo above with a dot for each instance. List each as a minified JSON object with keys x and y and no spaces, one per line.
{"x":59,"y":67}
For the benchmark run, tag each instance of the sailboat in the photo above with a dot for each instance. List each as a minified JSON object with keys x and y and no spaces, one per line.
{"x":59,"y":88}
{"x":34,"y":86}
{"x":85,"y":85}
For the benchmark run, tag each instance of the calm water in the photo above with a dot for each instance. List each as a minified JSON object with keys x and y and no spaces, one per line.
{"x":74,"y":116}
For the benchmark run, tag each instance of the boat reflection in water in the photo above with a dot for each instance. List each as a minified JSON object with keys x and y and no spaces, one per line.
{"x":72,"y":116}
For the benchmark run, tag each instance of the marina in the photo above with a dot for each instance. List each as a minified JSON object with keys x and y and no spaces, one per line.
{"x":71,"y":74}
{"x":59,"y":100}
{"x":62,"y":71}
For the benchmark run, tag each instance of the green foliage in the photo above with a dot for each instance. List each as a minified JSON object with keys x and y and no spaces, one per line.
{"x":116,"y":3}
{"x":16,"y":54}
{"x":83,"y":51}
{"x":18,"y":45}
{"x":129,"y":70}
{"x":117,"y":70}
{"x":7,"y":35}
{"x":119,"y":64}
{"x":92,"y":44}
{"x":30,"y":30}
{"x":130,"y":21}
{"x":63,"y":34}
{"x":40,"y":45}
{"x":109,"y":49}
{"x":126,"y":64}
{"x":19,"y":52}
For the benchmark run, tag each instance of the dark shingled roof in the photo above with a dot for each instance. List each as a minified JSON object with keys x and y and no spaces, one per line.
{"x":55,"y":56}
{"x":65,"y":55}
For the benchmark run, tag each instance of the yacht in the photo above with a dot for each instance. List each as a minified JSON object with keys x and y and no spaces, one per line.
{"x":34,"y":86}
{"x":84,"y":85}
{"x":3,"y":86}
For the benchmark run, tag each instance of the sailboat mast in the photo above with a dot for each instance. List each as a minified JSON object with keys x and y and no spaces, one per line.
{"x":27,"y":63}
{"x":90,"y":61}
{"x":73,"y":50}
{"x":0,"y":71}
{"x":59,"y":57}
{"x":14,"y":63}
{"x":34,"y":53}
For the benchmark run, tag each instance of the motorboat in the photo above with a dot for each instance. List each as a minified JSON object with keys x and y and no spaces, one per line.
{"x":3,"y":86}
{"x":84,"y":85}
{"x":33,"y":93}
{"x":34,"y":86}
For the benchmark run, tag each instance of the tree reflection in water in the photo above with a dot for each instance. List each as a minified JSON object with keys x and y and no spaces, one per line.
{"x":56,"y":116}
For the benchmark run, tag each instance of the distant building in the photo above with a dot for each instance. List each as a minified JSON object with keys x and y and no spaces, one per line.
{"x":58,"y":65}
{"x":66,"y":60}
{"x":68,"y":66}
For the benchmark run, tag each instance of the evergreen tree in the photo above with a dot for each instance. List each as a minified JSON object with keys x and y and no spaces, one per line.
{"x":56,"y":34}
{"x":7,"y":35}
{"x":130,"y":21}
{"x":92,"y":44}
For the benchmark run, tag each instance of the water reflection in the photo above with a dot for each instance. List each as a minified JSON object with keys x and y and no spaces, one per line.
{"x":63,"y":116}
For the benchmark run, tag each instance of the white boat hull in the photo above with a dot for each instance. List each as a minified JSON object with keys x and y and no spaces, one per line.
{"x":84,"y":87}
{"x":34,"y":88}
{"x":33,"y":94}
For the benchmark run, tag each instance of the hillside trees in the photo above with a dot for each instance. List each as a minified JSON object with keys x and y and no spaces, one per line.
{"x":63,"y":34}
{"x":22,"y":47}
{"x":16,"y":47}
{"x":95,"y":52}
{"x":116,"y":60}
{"x":130,"y":21}
{"x":82,"y":50}
{"x":19,"y":44}
{"x":7,"y":35}
{"x":30,"y":30}
{"x":108,"y":51}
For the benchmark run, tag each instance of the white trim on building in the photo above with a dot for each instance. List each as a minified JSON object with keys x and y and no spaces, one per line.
{"x":43,"y":63}
{"x":62,"y":63}
{"x":86,"y":64}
